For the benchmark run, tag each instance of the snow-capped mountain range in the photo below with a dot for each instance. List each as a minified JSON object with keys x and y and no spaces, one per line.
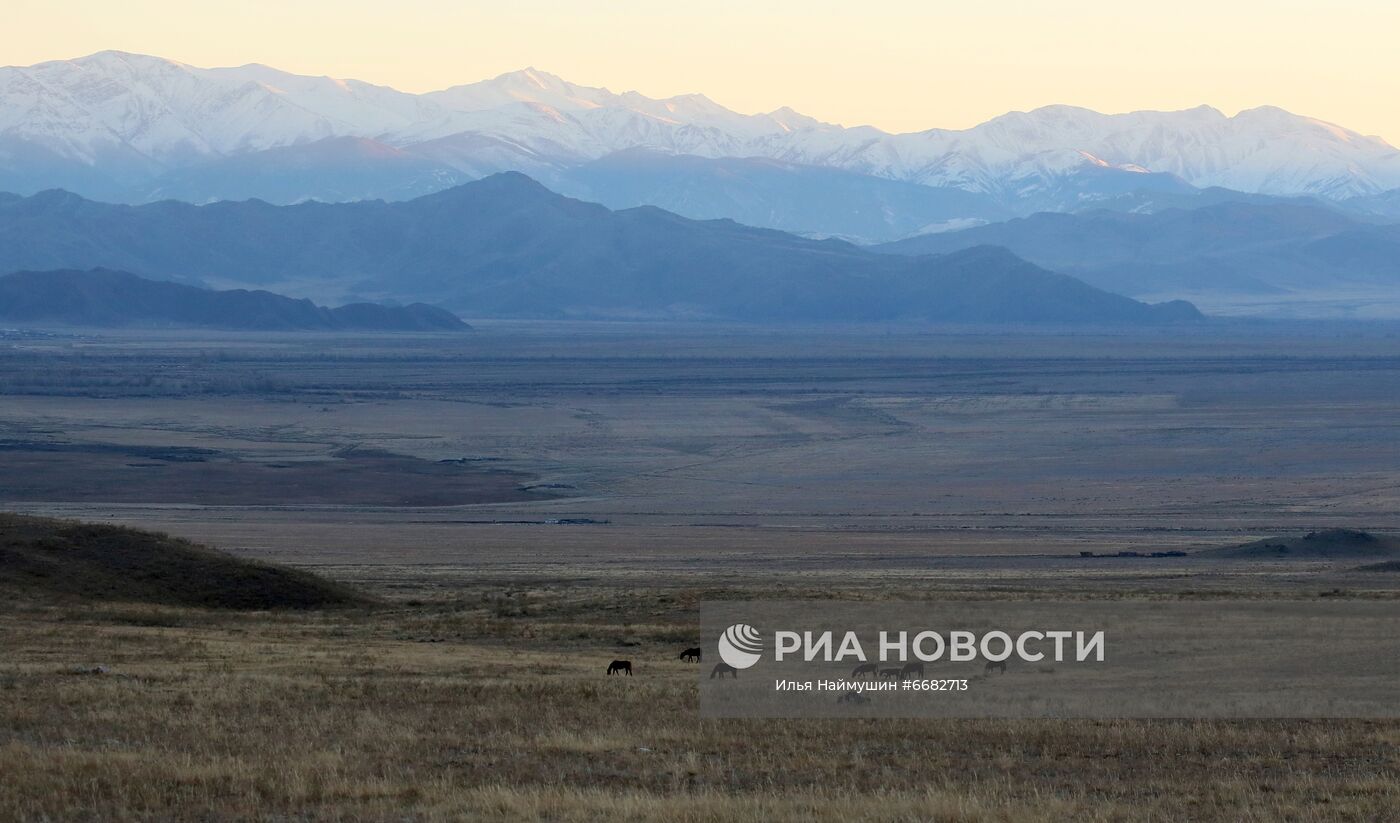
{"x":134,"y":128}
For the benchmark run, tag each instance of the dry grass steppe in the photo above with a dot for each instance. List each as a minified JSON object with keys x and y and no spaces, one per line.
{"x":491,"y":702}
{"x":633,"y":472}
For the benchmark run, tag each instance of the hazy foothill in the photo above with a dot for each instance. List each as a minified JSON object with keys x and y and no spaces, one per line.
{"x":1232,"y":252}
{"x":103,"y":298}
{"x":352,"y":438}
{"x":506,"y":246}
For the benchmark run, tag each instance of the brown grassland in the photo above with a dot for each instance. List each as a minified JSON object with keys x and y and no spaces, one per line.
{"x":488,"y":700}
{"x":604,"y":483}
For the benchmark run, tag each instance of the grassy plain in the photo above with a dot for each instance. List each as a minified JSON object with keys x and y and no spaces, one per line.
{"x":716,"y":463}
{"x":490,"y":702}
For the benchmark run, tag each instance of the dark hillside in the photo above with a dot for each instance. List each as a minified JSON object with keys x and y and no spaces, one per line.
{"x":105,"y":298}
{"x":1328,"y":544}
{"x":42,"y":557}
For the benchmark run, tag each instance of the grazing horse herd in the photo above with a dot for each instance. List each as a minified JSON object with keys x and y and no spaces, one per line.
{"x":690,"y":655}
{"x":908,"y":670}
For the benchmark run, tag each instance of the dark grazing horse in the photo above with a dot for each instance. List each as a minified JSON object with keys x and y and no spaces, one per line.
{"x":911,"y":669}
{"x":894,"y":672}
{"x":864,"y":669}
{"x":721,"y":669}
{"x":691,"y":655}
{"x":999,"y":664}
{"x":620,"y":667}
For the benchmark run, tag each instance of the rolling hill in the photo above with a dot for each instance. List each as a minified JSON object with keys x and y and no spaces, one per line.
{"x":45,"y":558}
{"x":1328,"y":544}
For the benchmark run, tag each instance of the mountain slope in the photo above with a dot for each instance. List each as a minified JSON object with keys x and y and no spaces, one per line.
{"x":1228,"y":247}
{"x":101,"y":297}
{"x":776,"y":194}
{"x":1264,"y":150}
{"x":119,"y":125}
{"x":506,"y":246}
{"x":1384,"y":206}
{"x":336,"y":169}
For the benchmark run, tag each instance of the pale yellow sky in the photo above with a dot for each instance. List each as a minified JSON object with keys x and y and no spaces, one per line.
{"x":902,"y":65}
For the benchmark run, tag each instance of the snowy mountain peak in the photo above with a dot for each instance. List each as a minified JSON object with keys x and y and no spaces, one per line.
{"x":533,"y":79}
{"x":110,"y":58}
{"x":116,"y":121}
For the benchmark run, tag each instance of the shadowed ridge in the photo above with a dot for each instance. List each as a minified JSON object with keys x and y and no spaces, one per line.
{"x":45,"y":558}
{"x":103,"y":297}
{"x":1327,"y":544}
